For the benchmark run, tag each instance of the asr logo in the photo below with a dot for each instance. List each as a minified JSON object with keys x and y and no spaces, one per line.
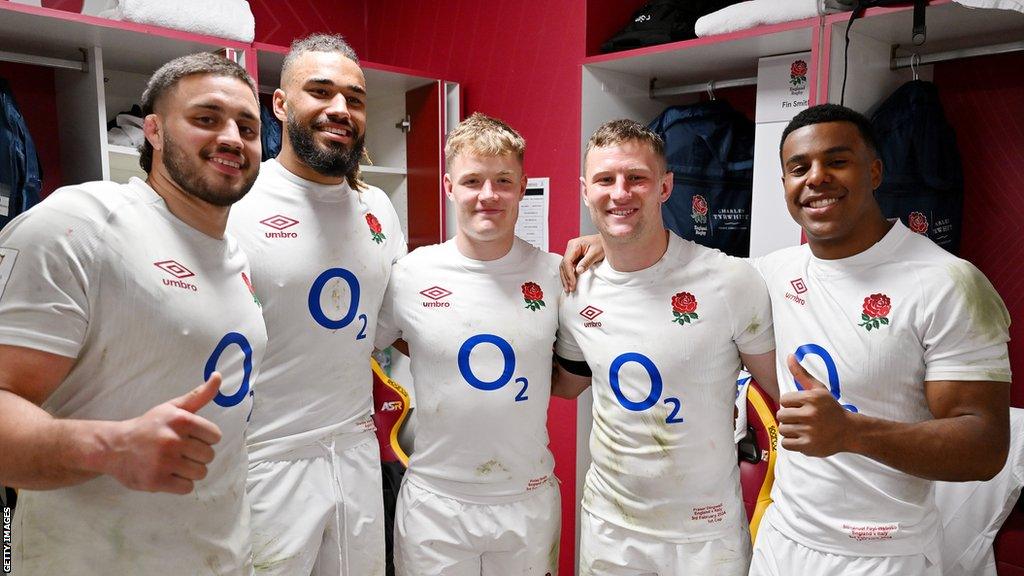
{"x":391,"y":406}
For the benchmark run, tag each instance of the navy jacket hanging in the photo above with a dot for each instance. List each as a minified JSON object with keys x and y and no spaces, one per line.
{"x":922,"y":178}
{"x":710,"y":151}
{"x":270,"y":133}
{"x":21,"y":178}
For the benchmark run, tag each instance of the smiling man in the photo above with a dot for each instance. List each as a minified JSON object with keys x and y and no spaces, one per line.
{"x":895,"y":363}
{"x":479,"y":313}
{"x":116,"y":301}
{"x":664,"y":325}
{"x":322,"y":244}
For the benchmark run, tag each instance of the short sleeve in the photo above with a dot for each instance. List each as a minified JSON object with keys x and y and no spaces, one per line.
{"x":387,"y":322}
{"x":965,"y":327}
{"x":751,"y":307}
{"x":565,"y":343}
{"x":45,"y":260}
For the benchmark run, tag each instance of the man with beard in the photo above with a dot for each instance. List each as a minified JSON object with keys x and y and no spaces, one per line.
{"x":116,"y":301}
{"x":322,"y":244}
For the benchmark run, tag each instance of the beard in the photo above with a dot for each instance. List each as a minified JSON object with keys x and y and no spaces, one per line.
{"x":182,"y":169}
{"x":331,"y":159}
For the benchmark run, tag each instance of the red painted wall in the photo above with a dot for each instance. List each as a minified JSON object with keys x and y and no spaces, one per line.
{"x":35,"y":95}
{"x":983,"y":99}
{"x":518,"y":61}
{"x":280,"y":22}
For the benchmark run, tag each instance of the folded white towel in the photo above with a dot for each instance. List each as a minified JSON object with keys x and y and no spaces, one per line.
{"x":754,"y":13}
{"x":222,"y":18}
{"x":1001,"y":4}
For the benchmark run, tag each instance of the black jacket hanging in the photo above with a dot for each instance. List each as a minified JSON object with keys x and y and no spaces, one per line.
{"x":922,"y":178}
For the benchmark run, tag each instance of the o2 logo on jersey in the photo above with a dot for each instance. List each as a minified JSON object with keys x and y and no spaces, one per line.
{"x":656,"y":386}
{"x":232,"y":338}
{"x":509,"y":367}
{"x":317,"y":311}
{"x":830,"y":370}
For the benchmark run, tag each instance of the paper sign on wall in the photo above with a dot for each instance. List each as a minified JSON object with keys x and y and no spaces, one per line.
{"x":783,"y":86}
{"x":532,"y":225}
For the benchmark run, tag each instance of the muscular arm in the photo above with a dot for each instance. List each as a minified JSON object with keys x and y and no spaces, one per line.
{"x":967,"y":440}
{"x":565,"y":384}
{"x":41,"y":452}
{"x":164,"y":450}
{"x":762,"y":368}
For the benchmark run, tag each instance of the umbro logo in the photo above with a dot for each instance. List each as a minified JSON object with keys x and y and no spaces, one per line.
{"x":280,"y":223}
{"x":590,"y":313}
{"x":436,"y":294}
{"x":800,"y":287}
{"x":179,"y":271}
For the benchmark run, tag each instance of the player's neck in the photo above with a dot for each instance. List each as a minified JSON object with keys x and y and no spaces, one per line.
{"x":483,"y":250}
{"x":866,"y":236}
{"x":293,"y":164}
{"x":632,"y":255}
{"x":199,"y":214}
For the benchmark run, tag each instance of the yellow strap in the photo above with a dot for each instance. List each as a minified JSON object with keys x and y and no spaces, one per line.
{"x":764,"y":498}
{"x":395,"y":446}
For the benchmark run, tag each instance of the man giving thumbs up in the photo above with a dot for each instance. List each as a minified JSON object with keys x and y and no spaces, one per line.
{"x":892,"y":361}
{"x":121,"y":307}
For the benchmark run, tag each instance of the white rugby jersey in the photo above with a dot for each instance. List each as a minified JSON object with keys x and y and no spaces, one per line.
{"x":149,"y":307}
{"x":321,"y":257}
{"x":664,"y":346}
{"x":480,"y":337}
{"x":875,"y":327}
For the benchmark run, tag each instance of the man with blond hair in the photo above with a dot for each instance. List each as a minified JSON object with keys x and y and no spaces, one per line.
{"x":664,"y":324}
{"x":322,"y":244}
{"x":479,"y":313}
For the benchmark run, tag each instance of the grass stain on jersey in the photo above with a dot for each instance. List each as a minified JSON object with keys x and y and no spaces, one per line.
{"x":630,"y":521}
{"x":658,"y":434}
{"x":553,"y":556}
{"x":490,"y":466}
{"x":754,"y":326}
{"x":988,"y":315}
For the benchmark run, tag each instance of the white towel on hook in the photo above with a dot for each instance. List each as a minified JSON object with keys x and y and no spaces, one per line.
{"x":754,"y":13}
{"x":1017,"y":5}
{"x":231,"y":19}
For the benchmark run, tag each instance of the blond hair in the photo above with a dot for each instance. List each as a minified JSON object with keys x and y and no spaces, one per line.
{"x":615,"y":132}
{"x":483,"y":136}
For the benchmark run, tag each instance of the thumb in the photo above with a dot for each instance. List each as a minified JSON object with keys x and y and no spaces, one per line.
{"x":806,"y":381}
{"x":199,"y":396}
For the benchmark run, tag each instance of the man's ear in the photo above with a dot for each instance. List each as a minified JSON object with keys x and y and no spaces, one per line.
{"x":153,"y":129}
{"x":876,"y":173}
{"x":583,"y":191}
{"x":280,"y":106}
{"x":666,"y":185}
{"x":447,"y":183}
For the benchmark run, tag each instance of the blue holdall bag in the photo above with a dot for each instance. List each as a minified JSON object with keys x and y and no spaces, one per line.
{"x":922,"y":174}
{"x":710,"y":151}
